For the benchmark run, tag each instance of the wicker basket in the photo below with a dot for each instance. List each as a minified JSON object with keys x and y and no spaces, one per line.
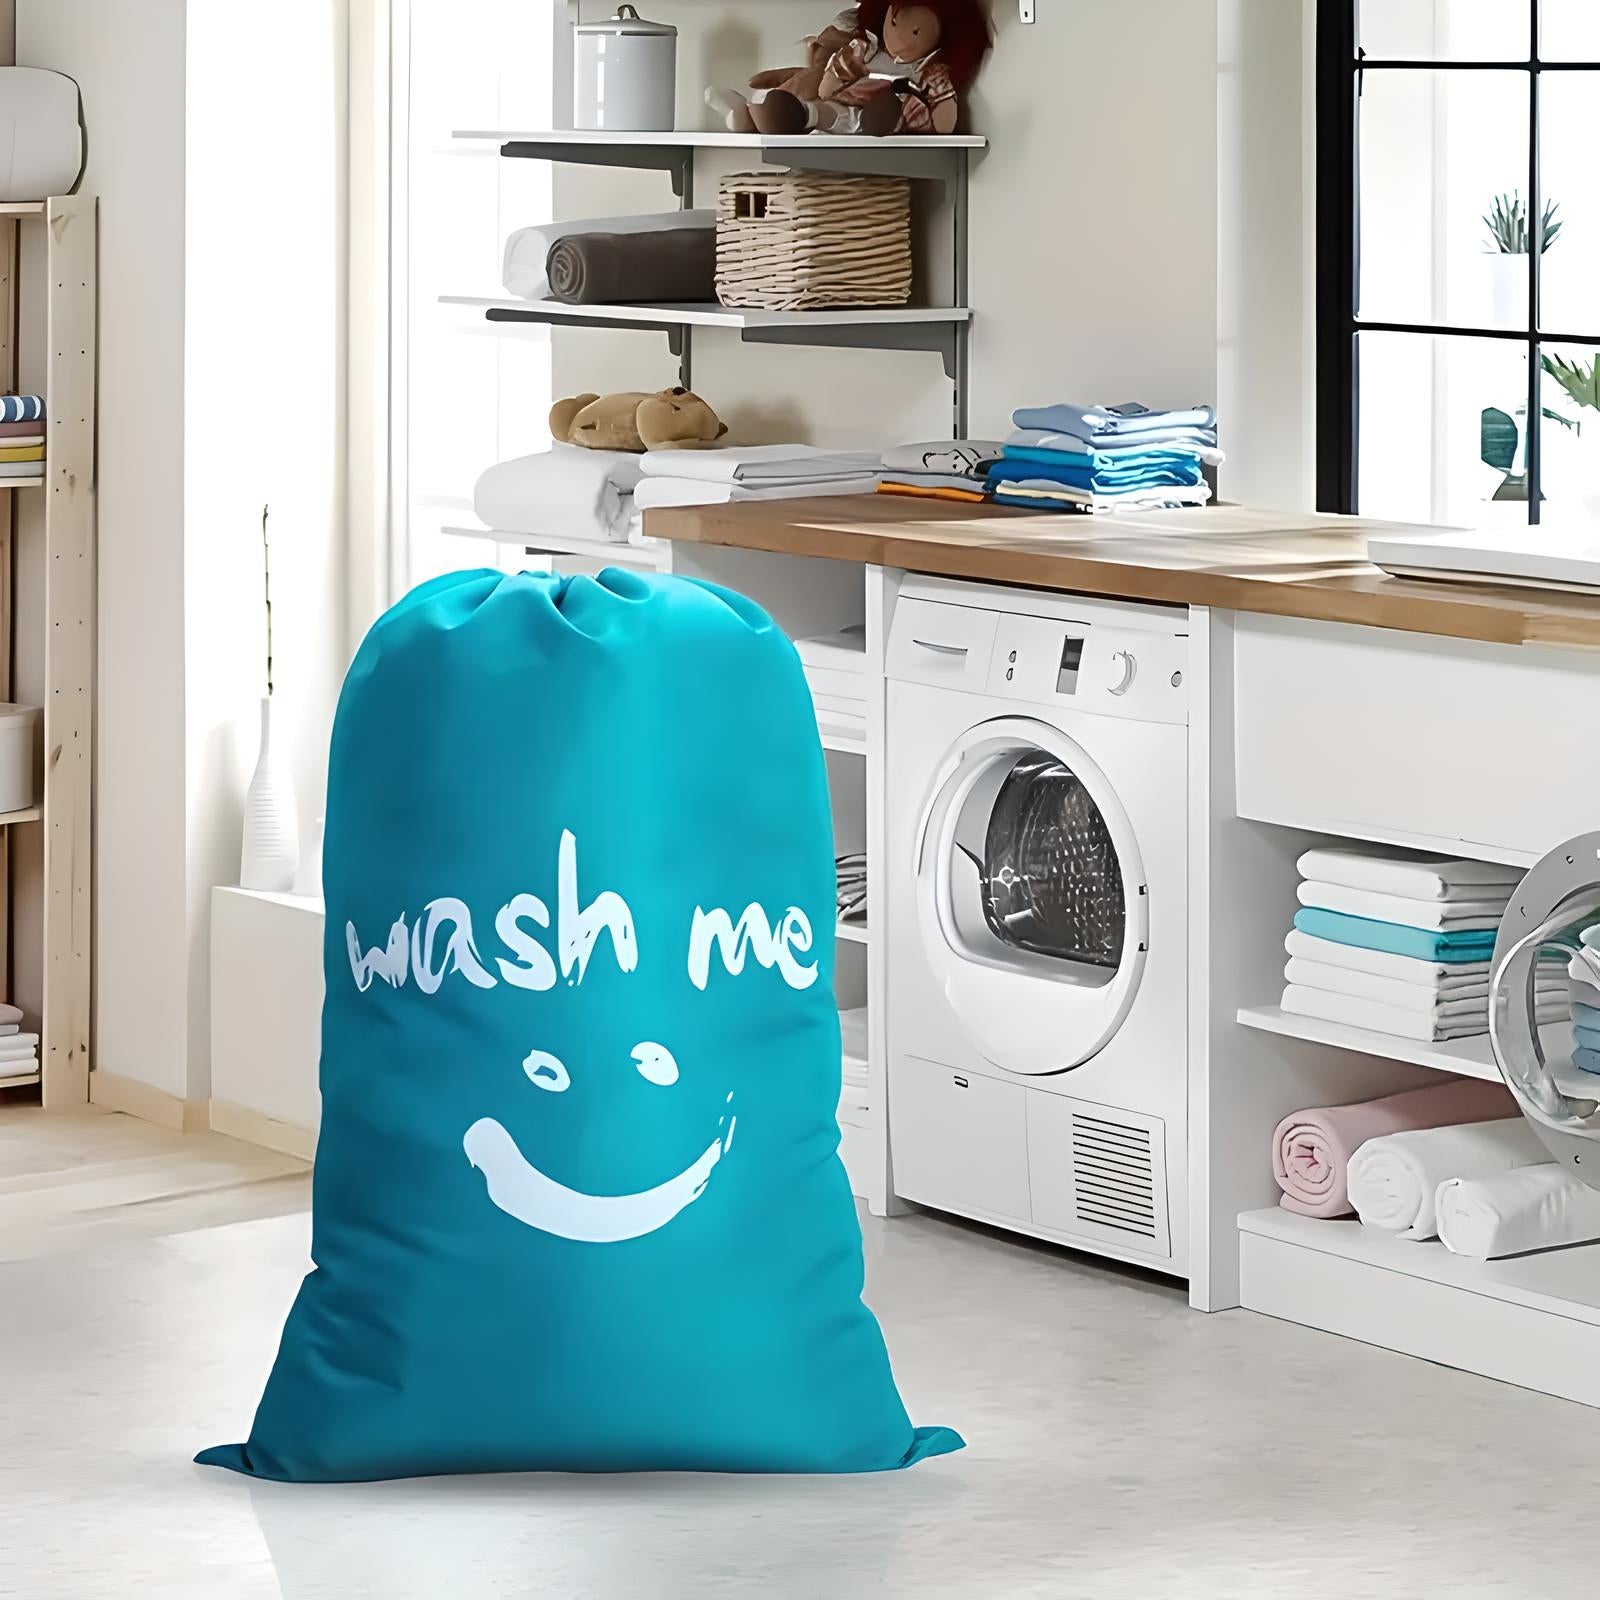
{"x":797,"y":241}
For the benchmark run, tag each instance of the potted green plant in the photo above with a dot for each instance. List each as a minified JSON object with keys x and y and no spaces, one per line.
{"x":1506,"y":245}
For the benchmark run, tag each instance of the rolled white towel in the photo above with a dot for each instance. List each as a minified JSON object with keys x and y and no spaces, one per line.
{"x":1510,"y":1213}
{"x":1395,"y":1179}
{"x":564,"y":491}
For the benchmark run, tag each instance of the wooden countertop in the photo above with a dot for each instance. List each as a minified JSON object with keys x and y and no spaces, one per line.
{"x":1280,"y":564}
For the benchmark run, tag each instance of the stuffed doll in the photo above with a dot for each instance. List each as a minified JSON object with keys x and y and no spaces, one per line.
{"x":901,"y":67}
{"x":674,"y":419}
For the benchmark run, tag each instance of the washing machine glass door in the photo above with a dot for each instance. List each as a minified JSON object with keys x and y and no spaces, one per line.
{"x":1031,"y":896}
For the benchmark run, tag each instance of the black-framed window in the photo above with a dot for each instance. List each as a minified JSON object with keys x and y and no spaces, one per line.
{"x":1458,"y":292}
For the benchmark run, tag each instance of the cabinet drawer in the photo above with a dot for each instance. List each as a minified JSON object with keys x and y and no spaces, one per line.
{"x":948,"y":645}
{"x":958,"y":1141}
{"x":1379,"y":734}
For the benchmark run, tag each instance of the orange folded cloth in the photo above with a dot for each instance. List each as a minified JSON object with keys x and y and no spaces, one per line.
{"x":974,"y":498}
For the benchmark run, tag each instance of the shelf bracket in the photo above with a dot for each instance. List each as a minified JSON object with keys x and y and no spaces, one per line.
{"x":677,"y":334}
{"x":677,"y":162}
{"x":938,"y":164}
{"x":942,"y":339}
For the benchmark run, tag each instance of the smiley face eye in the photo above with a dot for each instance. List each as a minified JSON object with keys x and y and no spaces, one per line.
{"x":546,"y":1072}
{"x":655,"y":1063}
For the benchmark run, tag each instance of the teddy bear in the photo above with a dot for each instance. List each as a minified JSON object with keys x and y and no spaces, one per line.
{"x":881,"y":67}
{"x":674,"y":419}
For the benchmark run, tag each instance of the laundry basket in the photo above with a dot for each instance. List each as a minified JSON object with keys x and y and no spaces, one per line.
{"x":799,"y":241}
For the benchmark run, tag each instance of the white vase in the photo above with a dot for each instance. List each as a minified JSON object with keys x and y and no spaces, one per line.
{"x":1508,"y":290}
{"x":271,"y":846}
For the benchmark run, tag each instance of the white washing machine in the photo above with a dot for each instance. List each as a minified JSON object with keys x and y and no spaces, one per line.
{"x":1037,"y":836}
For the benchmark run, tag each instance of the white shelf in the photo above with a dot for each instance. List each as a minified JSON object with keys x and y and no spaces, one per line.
{"x":853,"y":932}
{"x":1566,"y":1282}
{"x":842,"y":742}
{"x":22,"y":208}
{"x":708,"y":314}
{"x":22,"y":483}
{"x":28,"y":814}
{"x":20,"y":1081}
{"x":691,"y":139}
{"x":622,"y":555}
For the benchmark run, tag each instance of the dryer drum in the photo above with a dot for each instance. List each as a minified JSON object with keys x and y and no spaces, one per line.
{"x":1051,"y":880}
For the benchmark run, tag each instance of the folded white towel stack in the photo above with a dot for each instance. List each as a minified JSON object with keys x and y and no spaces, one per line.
{"x":719,"y":474}
{"x":1510,"y":1213}
{"x":1395,"y":1179}
{"x":1399,"y":943}
{"x":19,"y":1052}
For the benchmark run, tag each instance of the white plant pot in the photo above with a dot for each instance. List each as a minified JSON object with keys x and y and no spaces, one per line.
{"x":270,"y":850}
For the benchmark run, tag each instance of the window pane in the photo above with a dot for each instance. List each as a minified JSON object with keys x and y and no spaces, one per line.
{"x":1446,"y":30}
{"x":1569,"y":442}
{"x":1569,"y":30}
{"x":1443,"y":429}
{"x":1437,"y":151}
{"x":1570,"y":296}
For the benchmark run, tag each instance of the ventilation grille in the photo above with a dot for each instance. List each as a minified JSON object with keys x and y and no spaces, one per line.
{"x":1115,"y":1184}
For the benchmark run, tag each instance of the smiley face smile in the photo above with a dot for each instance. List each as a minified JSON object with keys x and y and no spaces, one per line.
{"x":521,"y":1190}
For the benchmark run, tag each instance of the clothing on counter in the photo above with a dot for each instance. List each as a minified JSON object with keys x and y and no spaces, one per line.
{"x":1037,"y":467}
{"x":942,"y":458}
{"x":1422,"y":943}
{"x":1510,"y":1213}
{"x":1179,"y":442}
{"x":1119,"y":422}
{"x":672,"y":266}
{"x":653,"y":493}
{"x":974,"y":497}
{"x":1311,"y":1149}
{"x":752,"y":465}
{"x":528,"y":249}
{"x":1062,"y":497}
{"x":21,"y":407}
{"x":564,"y":492}
{"x":1094,"y":470}
{"x":1448,"y":1020}
{"x":1409,"y":875}
{"x":1458,"y":915}
{"x":1394,"y":1178}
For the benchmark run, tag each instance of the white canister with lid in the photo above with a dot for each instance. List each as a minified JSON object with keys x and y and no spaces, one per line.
{"x":18,"y":737}
{"x":626,"y":74}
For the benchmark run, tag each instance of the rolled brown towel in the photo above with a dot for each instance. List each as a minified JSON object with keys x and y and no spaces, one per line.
{"x":679,"y":264}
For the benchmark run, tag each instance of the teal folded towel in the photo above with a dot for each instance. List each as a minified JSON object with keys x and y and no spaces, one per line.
{"x":1586,"y":1038}
{"x":1587,"y":1060}
{"x":1424,"y":943}
{"x":1586,"y":1016}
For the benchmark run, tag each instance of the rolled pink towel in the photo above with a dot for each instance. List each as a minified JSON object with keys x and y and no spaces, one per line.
{"x":1311,"y":1150}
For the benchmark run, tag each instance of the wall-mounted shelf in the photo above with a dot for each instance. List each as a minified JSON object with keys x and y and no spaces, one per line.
{"x":10,"y":819}
{"x":946,"y":159}
{"x":653,"y":557}
{"x":21,"y":483}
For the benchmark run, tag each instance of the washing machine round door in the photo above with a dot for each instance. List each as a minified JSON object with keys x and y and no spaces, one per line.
{"x":1031,"y":896}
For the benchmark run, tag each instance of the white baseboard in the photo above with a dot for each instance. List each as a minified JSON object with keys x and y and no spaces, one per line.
{"x":256,"y":1127}
{"x":112,"y":1092}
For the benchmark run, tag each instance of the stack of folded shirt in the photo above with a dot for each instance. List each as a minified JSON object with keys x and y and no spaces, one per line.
{"x":1106,"y":458}
{"x":1401,"y":944}
{"x":21,"y":435}
{"x":565,"y":492}
{"x":1583,"y":990}
{"x":19,"y":1051}
{"x":721,"y":473}
{"x":940,"y":470}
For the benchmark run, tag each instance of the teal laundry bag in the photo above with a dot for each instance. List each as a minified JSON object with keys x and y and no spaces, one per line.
{"x":578,"y":1203}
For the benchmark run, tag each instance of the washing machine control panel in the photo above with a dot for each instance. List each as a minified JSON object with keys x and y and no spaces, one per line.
{"x":1113,"y":671}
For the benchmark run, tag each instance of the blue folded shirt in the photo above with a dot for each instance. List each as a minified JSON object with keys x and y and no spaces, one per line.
{"x":1586,"y":1016}
{"x":1121,"y":422}
{"x":1587,"y":1061}
{"x":1179,"y":471}
{"x":1364,"y":933}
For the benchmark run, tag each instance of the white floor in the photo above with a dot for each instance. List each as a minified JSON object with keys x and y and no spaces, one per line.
{"x":1120,"y":1445}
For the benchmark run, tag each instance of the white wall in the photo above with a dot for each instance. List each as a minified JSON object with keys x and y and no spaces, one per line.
{"x":129,"y":61}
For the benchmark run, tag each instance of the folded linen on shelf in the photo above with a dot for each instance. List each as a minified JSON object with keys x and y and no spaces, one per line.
{"x":941,"y":459}
{"x":21,"y":469}
{"x":10,"y":1013}
{"x":1395,"y":1177}
{"x":1311,"y":1149}
{"x":1475,"y":916}
{"x":1408,"y":969}
{"x":1409,"y":996}
{"x":528,"y":249}
{"x":21,"y":451}
{"x":1424,"y":943}
{"x":952,"y":490}
{"x":1119,"y":422}
{"x":565,"y":491}
{"x":1109,"y":453}
{"x":1586,"y":1060}
{"x":1061,"y":497}
{"x":1583,"y":981}
{"x":657,"y":492}
{"x":21,"y":407}
{"x":1447,"y":1020}
{"x":1407,"y":874}
{"x":1510,"y":1213}
{"x":754,"y":465}
{"x":1035,"y":466}
{"x":671,"y":266}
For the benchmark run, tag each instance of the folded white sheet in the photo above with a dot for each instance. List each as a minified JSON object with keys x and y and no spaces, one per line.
{"x":754,"y":465}
{"x":1446,"y":1021}
{"x":10,"y":1013}
{"x":1409,"y":969}
{"x":654,"y":492}
{"x":1394,"y":1179}
{"x":1408,"y":996}
{"x":565,"y":491}
{"x":1405,"y":873}
{"x":942,"y":459}
{"x":528,"y":249}
{"x":1508,"y":1213}
{"x":1455,"y":916}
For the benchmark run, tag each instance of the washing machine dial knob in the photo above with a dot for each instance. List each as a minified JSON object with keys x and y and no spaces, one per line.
{"x":1123,"y":660}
